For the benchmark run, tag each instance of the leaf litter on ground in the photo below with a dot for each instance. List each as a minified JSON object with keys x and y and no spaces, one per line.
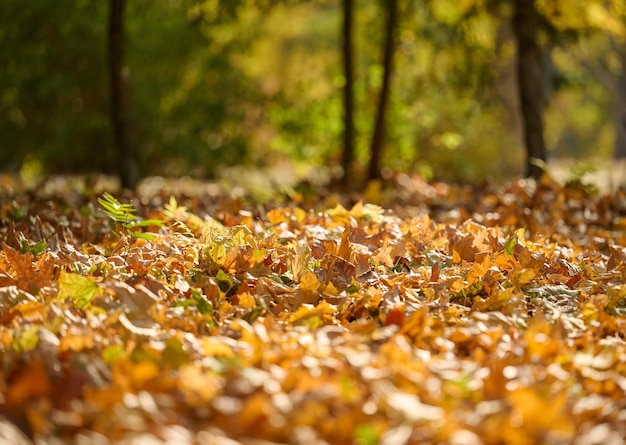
{"x":437,"y":314}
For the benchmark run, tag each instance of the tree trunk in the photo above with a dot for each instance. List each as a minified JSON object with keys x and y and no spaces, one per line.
{"x":530,"y":78}
{"x":125,"y":153}
{"x":378,"y":138}
{"x":348,"y":94}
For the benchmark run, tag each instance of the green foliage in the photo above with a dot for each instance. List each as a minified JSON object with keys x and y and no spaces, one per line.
{"x":197,"y":300}
{"x":219,"y":83}
{"x":116,"y":211}
{"x":123,"y":215}
{"x":30,"y":247}
{"x":510,"y":245}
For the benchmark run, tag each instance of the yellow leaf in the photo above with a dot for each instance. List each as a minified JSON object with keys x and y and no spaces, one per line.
{"x":300,"y":261}
{"x":142,"y":372}
{"x":589,"y":312}
{"x":197,"y":385}
{"x":276,"y":216}
{"x":212,"y":347}
{"x":330,"y":289}
{"x":76,"y":342}
{"x":504,"y":261}
{"x":242,"y":236}
{"x":478,"y":270}
{"x":525,"y":276}
{"x":339,"y":214}
{"x":28,"y":310}
{"x":309,"y":281}
{"x":521,"y":236}
{"x":246,"y":300}
{"x":374,"y":191}
{"x":357,"y":210}
{"x":456,"y":258}
{"x":300,"y":214}
{"x":537,"y":412}
{"x":307,"y":311}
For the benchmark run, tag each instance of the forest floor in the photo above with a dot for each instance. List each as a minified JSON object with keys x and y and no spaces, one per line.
{"x":189,"y":313}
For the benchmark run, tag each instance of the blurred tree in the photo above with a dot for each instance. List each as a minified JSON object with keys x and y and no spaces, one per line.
{"x":530,"y":78}
{"x":584,"y":64}
{"x":378,"y":138}
{"x":448,"y":66}
{"x":126,"y":156}
{"x":54,"y":86}
{"x":257,"y":82}
{"x":347,"y":160}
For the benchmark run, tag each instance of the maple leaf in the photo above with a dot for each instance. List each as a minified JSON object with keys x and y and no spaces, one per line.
{"x":29,"y":273}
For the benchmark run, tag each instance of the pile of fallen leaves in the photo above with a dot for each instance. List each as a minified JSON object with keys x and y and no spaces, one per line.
{"x":458,"y":315}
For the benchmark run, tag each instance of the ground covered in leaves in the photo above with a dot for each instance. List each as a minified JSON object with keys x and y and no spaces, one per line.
{"x":458,"y":315}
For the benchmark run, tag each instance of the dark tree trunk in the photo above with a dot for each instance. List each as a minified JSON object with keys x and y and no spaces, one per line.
{"x":125,"y":154}
{"x":530,"y":78}
{"x":379,"y":129}
{"x":348,"y":94}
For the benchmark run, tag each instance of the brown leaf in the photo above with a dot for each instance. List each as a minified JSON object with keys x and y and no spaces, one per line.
{"x":463,"y":249}
{"x":28,"y":382}
{"x":30,"y":275}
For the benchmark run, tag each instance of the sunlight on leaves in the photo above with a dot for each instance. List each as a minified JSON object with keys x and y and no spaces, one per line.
{"x":347,"y":323}
{"x":81,"y":289}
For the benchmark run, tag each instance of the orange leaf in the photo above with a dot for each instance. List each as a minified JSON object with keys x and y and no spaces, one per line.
{"x":30,"y":277}
{"x":28,"y":382}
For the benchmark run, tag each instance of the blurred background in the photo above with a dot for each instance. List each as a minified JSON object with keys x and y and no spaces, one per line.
{"x":215,"y":88}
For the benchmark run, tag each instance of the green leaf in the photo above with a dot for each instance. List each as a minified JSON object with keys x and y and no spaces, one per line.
{"x":510,"y":245}
{"x":197,"y":299}
{"x":79,"y":288}
{"x":217,"y":252}
{"x":124,"y":215}
{"x":142,"y":235}
{"x":171,"y":209}
{"x":112,"y":353}
{"x":204,"y":306}
{"x":353,"y":288}
{"x":253,"y":314}
{"x":471,"y":291}
{"x":223,"y":276}
{"x":174,"y":354}
{"x":19,"y":212}
{"x":26,"y":339}
{"x":259,"y":255}
{"x":35,"y":249}
{"x":146,"y":223}
{"x":115,"y":210}
{"x":366,"y":434}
